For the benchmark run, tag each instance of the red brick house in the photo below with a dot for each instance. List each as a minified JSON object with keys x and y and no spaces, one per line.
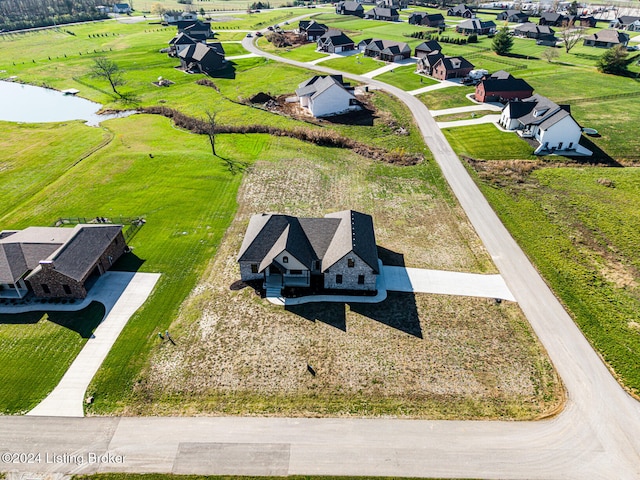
{"x":502,"y":86}
{"x":451,"y":67}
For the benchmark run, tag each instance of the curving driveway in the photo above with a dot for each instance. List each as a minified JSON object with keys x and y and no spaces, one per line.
{"x":594,"y":437}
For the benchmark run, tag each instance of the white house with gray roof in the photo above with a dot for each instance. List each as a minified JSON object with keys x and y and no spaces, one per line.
{"x":327,"y":95}
{"x":337,"y":252}
{"x":57,"y":262}
{"x":550,"y":124}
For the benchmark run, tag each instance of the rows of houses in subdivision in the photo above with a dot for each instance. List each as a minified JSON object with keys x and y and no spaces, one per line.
{"x":388,"y":14}
{"x":550,"y":124}
{"x":325,"y":96}
{"x":335,"y":41}
{"x":461,"y":10}
{"x":543,"y":34}
{"x":626,"y":22}
{"x":190,"y":45}
{"x":53,"y":262}
{"x":513,"y":16}
{"x":434,"y":20}
{"x":336,"y":252}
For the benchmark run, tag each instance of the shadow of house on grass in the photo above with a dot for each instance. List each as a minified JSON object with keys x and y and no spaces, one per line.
{"x":333,"y":314}
{"x":83,"y":322}
{"x":129,"y":262}
{"x":229,"y":71}
{"x":398,"y":311}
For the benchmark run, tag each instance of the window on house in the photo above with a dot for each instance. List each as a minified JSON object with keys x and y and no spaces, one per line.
{"x":66,"y":289}
{"x":254,"y":268}
{"x":360,"y":279}
{"x":338,"y":279}
{"x":285,"y":259}
{"x":351,"y":263}
{"x":45,"y":288}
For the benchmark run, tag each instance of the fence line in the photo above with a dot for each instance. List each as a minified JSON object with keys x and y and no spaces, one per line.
{"x":130,"y":225}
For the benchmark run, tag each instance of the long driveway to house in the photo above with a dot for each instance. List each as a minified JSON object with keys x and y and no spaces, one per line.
{"x":595,"y":437}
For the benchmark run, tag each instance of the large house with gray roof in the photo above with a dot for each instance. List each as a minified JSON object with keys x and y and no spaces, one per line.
{"x":325,"y":96}
{"x":337,"y":252}
{"x":55,"y":262}
{"x":550,"y":124}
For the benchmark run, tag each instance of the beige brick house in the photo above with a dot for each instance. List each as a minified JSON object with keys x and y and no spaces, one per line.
{"x":337,"y":252}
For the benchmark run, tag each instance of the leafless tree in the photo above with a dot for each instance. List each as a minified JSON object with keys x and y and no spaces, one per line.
{"x":110,"y":71}
{"x":570,"y":35}
{"x":550,"y":54}
{"x":211,"y":130}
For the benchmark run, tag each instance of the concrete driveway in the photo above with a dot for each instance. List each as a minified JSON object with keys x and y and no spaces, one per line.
{"x":122,"y":293}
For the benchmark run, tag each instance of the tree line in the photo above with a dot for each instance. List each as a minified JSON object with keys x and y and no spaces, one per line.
{"x":21,"y":14}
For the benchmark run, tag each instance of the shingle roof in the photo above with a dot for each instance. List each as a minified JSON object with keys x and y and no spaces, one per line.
{"x":533,"y":28}
{"x":429,"y":46}
{"x":537,"y":110}
{"x":506,"y":85}
{"x":455,"y":63}
{"x":72,"y":250}
{"x":336,"y":38}
{"x":308,"y":239}
{"x":608,"y":36}
{"x":475,"y":24}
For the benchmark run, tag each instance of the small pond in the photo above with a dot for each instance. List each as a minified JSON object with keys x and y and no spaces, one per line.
{"x":29,"y":104}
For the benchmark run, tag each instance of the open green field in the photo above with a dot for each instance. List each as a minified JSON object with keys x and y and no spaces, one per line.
{"x":444,"y":98}
{"x":162,"y":476}
{"x":486,"y":142}
{"x":35,"y":351}
{"x":580,"y":227}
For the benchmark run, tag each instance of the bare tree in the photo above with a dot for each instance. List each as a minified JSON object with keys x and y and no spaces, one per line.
{"x":211,"y":130}
{"x":108,"y":70}
{"x":550,"y":54}
{"x":570,"y":35}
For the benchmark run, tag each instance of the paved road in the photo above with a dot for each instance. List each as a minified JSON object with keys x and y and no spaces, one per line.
{"x":595,"y":437}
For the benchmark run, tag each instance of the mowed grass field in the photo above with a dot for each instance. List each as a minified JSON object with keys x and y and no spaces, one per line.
{"x":424,"y":356}
{"x":185,"y":194}
{"x":35,"y":351}
{"x":579,"y":226}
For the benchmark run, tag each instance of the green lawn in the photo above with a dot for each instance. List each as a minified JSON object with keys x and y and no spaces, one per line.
{"x":36,"y":349}
{"x":406,"y":78}
{"x":357,"y":64}
{"x":580,"y":227}
{"x":486,"y":142}
{"x":447,"y":98}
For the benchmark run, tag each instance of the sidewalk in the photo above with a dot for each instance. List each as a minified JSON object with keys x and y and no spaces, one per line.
{"x":389,"y":67}
{"x":473,"y":121}
{"x":437,"y":86}
{"x":470,"y":108}
{"x":122,"y":293}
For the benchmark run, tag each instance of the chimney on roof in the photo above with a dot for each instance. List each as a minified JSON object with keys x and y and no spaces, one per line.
{"x":47,"y":265}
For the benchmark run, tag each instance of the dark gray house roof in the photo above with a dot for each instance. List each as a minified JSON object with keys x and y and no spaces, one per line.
{"x":326,"y":239}
{"x":530,"y":27}
{"x":428,"y":46}
{"x":73,"y":251}
{"x":335,"y":38}
{"x":538,"y":110}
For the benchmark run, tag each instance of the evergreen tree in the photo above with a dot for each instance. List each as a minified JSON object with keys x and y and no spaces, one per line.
{"x":615,"y":61}
{"x":502,"y":42}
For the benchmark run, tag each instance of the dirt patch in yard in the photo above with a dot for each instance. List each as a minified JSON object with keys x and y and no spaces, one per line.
{"x":425,"y":356}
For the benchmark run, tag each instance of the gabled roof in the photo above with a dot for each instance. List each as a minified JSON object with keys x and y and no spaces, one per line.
{"x":182,"y":39}
{"x":382,"y":12}
{"x":537,"y":110}
{"x":336,"y":38}
{"x":475,"y":24}
{"x":428,"y":46}
{"x":431,"y":59}
{"x":500,"y":75}
{"x":552,"y":17}
{"x":461,"y":8}
{"x":533,"y":28}
{"x":312,"y":26}
{"x":318,"y":84}
{"x":627,"y":19}
{"x":455,"y":63}
{"x":73,"y":251}
{"x":327,"y":239}
{"x":509,"y":84}
{"x":351,"y":6}
{"x":608,"y":36}
{"x":379,"y":45}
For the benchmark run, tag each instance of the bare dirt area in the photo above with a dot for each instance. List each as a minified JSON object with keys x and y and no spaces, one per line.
{"x":421,"y":356}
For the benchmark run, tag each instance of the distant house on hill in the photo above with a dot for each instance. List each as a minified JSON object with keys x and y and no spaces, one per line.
{"x":195,"y":29}
{"x":606,"y":39}
{"x":550,"y":124}
{"x":335,"y":41}
{"x":531,"y":30}
{"x":502,"y":86}
{"x":461,"y":10}
{"x":202,"y":58}
{"x":475,"y":26}
{"x":337,"y":252}
{"x":350,"y":8}
{"x":172,"y":17}
{"x":54,"y":262}
{"x":623,"y":22}
{"x":325,"y":96}
{"x":385,"y":50}
{"x":435,"y":20}
{"x":386,"y":14}
{"x":122,"y":8}
{"x":513,"y":16}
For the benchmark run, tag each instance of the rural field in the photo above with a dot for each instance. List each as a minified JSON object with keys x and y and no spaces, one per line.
{"x":419,"y":355}
{"x":424,"y":356}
